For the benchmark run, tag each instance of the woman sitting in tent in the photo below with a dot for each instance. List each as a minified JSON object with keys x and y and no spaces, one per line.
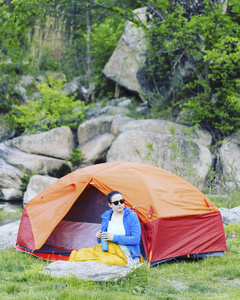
{"x":121,"y":228}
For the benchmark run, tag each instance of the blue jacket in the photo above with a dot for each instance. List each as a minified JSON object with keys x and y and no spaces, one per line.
{"x":132,"y":229}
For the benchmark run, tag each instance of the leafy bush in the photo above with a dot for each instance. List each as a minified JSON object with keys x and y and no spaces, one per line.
{"x":77,"y":157}
{"x":52,"y":109}
{"x":209,"y":44}
{"x":7,"y":87}
{"x":48,"y":62}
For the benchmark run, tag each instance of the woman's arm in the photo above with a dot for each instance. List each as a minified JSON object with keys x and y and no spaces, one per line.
{"x":135,"y":233}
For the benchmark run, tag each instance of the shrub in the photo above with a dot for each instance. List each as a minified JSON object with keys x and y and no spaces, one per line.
{"x":52,"y":109}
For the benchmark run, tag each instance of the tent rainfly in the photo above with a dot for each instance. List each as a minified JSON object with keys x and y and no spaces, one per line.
{"x":177,"y":219}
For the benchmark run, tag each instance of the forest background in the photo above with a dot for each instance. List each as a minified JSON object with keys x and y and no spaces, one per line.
{"x":77,"y":38}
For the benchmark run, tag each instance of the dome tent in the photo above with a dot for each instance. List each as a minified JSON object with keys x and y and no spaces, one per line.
{"x":177,"y":220}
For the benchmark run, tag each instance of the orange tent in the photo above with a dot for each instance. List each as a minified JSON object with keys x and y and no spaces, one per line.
{"x":177,"y":219}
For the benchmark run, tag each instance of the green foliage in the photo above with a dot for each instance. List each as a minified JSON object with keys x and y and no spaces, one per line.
{"x":232,"y":233}
{"x":7,"y":92}
{"x":25,"y":180}
{"x":209,"y":42}
{"x":104,"y":39}
{"x":17,"y":17}
{"x":8,"y":217}
{"x":77,"y":157}
{"x":53,"y":109}
{"x":224,"y":187}
{"x":148,"y":155}
{"x":48,"y":62}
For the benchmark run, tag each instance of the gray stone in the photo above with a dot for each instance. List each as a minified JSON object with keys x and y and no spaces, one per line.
{"x":37,"y":184}
{"x":114,"y":107}
{"x":86,"y":270}
{"x":96,"y":111}
{"x":11,"y":194}
{"x":27,"y":80}
{"x":118,"y":123}
{"x":74,"y":87}
{"x":143,"y":108}
{"x":162,"y":127}
{"x":96,"y":149}
{"x":8,"y":234}
{"x":10,"y":176}
{"x":131,"y":145}
{"x":57,"y":142}
{"x":231,"y":215}
{"x":116,"y":110}
{"x":230,"y":158}
{"x":40,"y":78}
{"x":42,"y":165}
{"x":95,"y":137}
{"x":94,"y":127}
{"x":129,"y":55}
{"x":10,"y":182}
{"x":22,"y":92}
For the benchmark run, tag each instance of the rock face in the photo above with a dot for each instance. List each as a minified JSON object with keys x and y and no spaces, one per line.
{"x":37,"y":184}
{"x":34,"y":163}
{"x":10,"y":181}
{"x":96,"y":136}
{"x":8,"y":234}
{"x":107,"y":138}
{"x":114,"y":107}
{"x":150,"y":141}
{"x":230,"y":215}
{"x":57,"y":143}
{"x":128,"y":56}
{"x":230,"y":158}
{"x":15,"y":163}
{"x":86,"y":270}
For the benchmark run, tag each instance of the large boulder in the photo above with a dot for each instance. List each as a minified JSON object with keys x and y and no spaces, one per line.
{"x":32,"y":163}
{"x":95,"y":150}
{"x":128,"y":56}
{"x":57,"y":142}
{"x":149,"y":141}
{"x":10,"y":182}
{"x":96,"y":135}
{"x":119,"y":106}
{"x":230,"y":158}
{"x":37,"y":183}
{"x":74,"y":87}
{"x":87,"y":270}
{"x":166,"y":127}
{"x":8,"y":234}
{"x":94,"y":127}
{"x":231,"y":215}
{"x":95,"y":138}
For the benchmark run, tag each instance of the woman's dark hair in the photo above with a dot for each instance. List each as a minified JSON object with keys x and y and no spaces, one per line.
{"x":109,"y":196}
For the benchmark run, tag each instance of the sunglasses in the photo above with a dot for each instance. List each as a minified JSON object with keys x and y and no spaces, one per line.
{"x":116,"y":202}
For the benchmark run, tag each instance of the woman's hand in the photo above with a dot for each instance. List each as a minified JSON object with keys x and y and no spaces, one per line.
{"x":99,"y":234}
{"x":107,"y":236}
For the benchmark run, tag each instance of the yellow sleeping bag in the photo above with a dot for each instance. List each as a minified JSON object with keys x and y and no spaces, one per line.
{"x":114,"y":256}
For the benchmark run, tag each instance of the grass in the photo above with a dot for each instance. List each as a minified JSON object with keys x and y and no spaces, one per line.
{"x":230,"y":200}
{"x":7,"y":217}
{"x":209,"y":278}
